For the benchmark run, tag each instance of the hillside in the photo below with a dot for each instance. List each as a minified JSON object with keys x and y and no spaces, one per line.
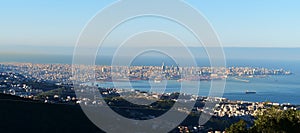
{"x":23,"y":115}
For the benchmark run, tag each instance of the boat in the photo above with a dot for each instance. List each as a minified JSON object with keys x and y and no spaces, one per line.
{"x":180,"y":80}
{"x":250,"y":92}
{"x":157,"y":80}
{"x":242,"y":80}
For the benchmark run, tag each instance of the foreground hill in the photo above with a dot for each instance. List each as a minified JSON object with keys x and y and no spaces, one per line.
{"x":23,"y":115}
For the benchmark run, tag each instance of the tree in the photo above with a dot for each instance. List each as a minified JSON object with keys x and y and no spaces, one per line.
{"x":239,"y":127}
{"x":277,"y":121}
{"x":272,"y":120}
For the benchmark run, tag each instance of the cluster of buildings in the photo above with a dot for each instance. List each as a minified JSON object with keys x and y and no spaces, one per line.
{"x":250,"y":71}
{"x":59,"y":73}
{"x":62,"y":73}
{"x":15,"y":74}
{"x":223,"y":108}
{"x":16,"y":84}
{"x":244,"y":108}
{"x":190,"y":129}
{"x":16,"y":79}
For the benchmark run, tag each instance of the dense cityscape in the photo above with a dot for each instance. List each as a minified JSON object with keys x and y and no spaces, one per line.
{"x":62,"y":73}
{"x":53,"y":84}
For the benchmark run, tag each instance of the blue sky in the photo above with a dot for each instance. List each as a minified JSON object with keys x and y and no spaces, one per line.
{"x":252,"y":23}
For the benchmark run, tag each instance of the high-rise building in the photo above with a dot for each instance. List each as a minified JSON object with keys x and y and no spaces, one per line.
{"x":163,"y":67}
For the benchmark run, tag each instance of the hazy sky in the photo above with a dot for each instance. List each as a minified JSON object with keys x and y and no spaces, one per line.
{"x":251,"y":23}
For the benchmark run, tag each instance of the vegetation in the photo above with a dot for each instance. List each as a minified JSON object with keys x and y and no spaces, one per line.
{"x":271,"y":121}
{"x":62,"y":92}
{"x":239,"y":127}
{"x":274,"y":120}
{"x":53,"y":92}
{"x":134,"y":111}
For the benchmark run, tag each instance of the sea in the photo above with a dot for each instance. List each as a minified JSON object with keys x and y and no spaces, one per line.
{"x":275,"y":88}
{"x":279,"y":89}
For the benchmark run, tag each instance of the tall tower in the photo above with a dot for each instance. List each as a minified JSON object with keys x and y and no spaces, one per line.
{"x":163,"y":67}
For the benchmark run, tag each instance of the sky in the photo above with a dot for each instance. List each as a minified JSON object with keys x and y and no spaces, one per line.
{"x":58,"y":23}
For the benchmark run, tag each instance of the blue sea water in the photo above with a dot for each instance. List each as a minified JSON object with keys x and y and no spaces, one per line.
{"x":282,"y":89}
